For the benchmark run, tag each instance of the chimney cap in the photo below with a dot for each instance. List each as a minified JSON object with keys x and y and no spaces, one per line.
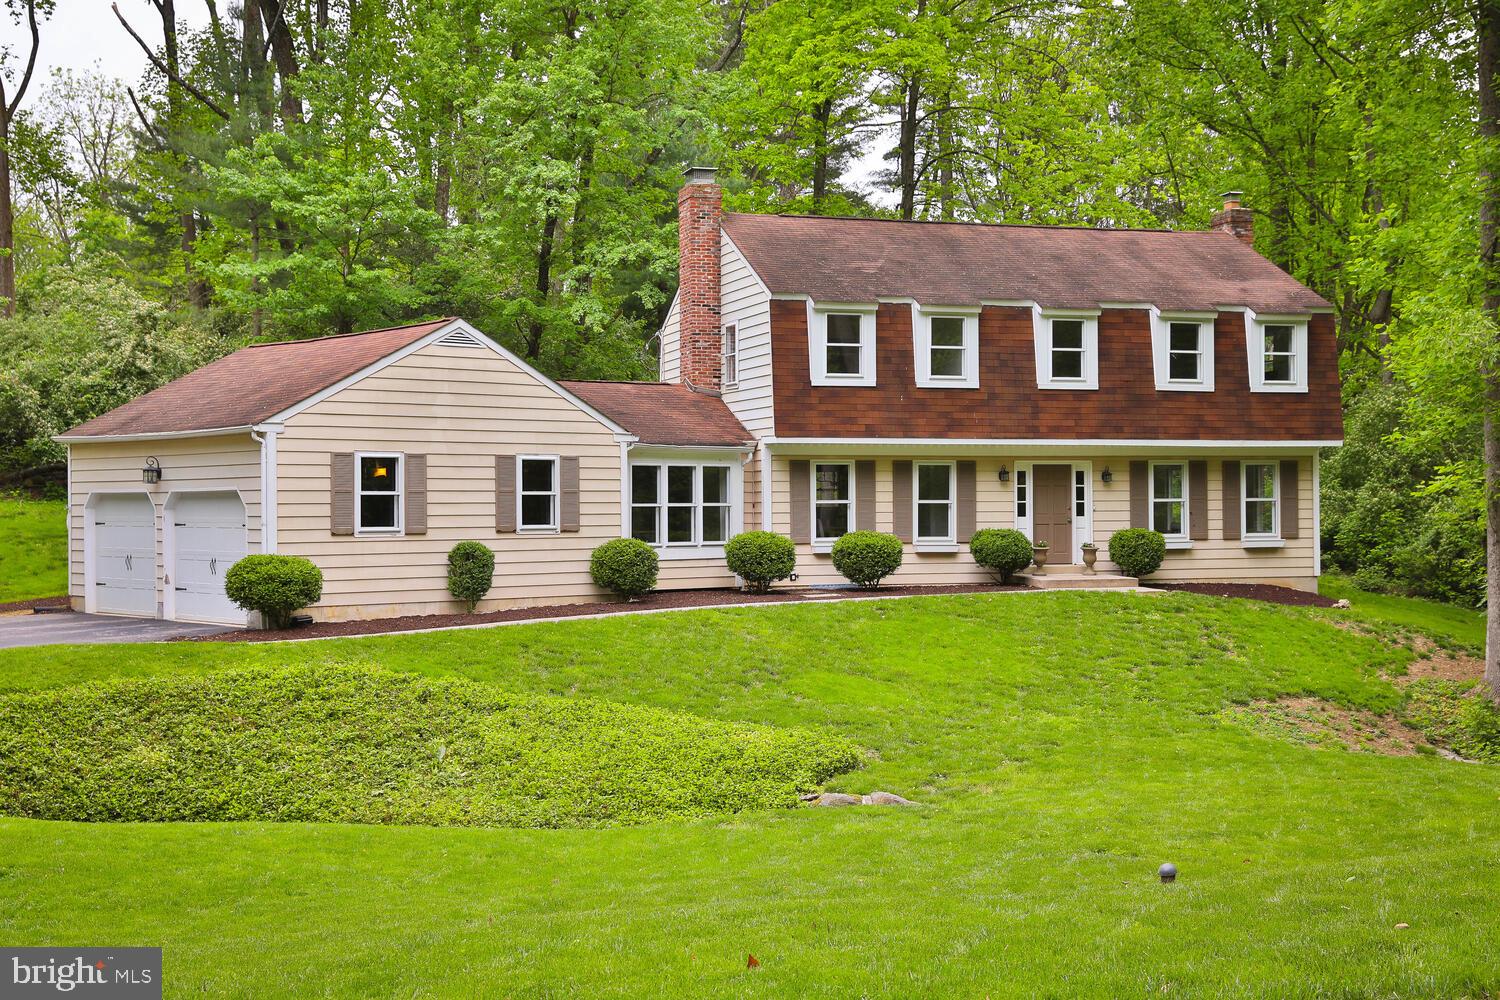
{"x":1232,"y":199}
{"x":700,"y":175}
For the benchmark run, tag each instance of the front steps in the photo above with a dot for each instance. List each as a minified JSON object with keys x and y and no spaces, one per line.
{"x":1074,"y":578}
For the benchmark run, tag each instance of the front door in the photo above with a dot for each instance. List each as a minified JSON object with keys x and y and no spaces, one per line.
{"x":1052,"y":517}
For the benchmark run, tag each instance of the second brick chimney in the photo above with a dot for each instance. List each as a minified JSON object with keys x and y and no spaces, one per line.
{"x":700,"y":208}
{"x":1234,"y":220}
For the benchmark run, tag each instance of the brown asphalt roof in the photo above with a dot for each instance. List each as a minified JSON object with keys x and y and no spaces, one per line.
{"x":663,"y":412}
{"x":951,"y":263}
{"x":252,"y":384}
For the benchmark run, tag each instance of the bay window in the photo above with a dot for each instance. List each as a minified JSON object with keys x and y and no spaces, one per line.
{"x":680,"y":504}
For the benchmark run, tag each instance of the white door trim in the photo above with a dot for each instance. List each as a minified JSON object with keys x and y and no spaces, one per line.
{"x":1083,"y":527}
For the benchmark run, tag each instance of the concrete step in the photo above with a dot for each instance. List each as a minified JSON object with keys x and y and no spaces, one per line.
{"x":1073,"y":578}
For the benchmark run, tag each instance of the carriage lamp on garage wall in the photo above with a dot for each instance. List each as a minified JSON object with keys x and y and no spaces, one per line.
{"x":1106,"y":477}
{"x":151,"y":474}
{"x":1004,"y":474}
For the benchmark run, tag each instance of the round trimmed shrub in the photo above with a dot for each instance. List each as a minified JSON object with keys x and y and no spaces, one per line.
{"x":275,"y":586}
{"x":1137,"y":551}
{"x":1003,"y":551}
{"x":471,"y":572}
{"x":867,"y":557}
{"x":626,"y":566}
{"x":760,"y":558}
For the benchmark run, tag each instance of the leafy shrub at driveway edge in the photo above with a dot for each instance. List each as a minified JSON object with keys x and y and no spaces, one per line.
{"x":274,"y":585}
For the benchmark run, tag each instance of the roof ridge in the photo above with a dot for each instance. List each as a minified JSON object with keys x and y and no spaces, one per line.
{"x":617,"y":381}
{"x":967,"y":222}
{"x":353,"y":333}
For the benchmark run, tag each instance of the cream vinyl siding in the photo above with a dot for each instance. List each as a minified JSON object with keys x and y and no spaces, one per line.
{"x":460,"y":407}
{"x":1210,"y":560}
{"x":230,"y":462}
{"x":745,"y":302}
{"x":670,"y":364}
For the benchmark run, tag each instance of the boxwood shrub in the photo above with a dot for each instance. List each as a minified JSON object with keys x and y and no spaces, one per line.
{"x":471,"y":572}
{"x":867,"y":557}
{"x":625,"y":566}
{"x":273,"y":585}
{"x":1137,"y":551}
{"x":1002,"y":551}
{"x":760,"y":558}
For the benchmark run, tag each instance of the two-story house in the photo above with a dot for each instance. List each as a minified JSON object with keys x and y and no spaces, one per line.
{"x":818,"y":376}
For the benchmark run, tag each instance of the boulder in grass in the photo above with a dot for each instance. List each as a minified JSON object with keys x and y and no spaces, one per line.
{"x":886,"y":799}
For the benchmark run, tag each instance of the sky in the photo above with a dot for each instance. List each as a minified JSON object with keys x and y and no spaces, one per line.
{"x":83,"y":34}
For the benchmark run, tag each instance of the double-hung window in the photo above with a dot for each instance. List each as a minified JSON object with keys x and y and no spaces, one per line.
{"x":833,"y":500}
{"x":1182,"y":347}
{"x":379,"y":487}
{"x":1169,"y":507}
{"x":1262,"y":501}
{"x":947,"y":347}
{"x":729,"y":372}
{"x":841,"y":345}
{"x":536,"y":500}
{"x":934,"y":500}
{"x":1277,"y":353}
{"x":679,"y":504}
{"x":1067,"y":349}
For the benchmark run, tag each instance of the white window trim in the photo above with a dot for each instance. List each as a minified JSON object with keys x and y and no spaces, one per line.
{"x":817,"y":342}
{"x":537,"y":529}
{"x":1083,"y":527}
{"x":951,"y":538}
{"x":400,"y":528}
{"x":825,"y":540}
{"x":729,"y":360}
{"x":1177,"y":539}
{"x":1255,"y":347}
{"x":1161,"y":348}
{"x":921,"y":325}
{"x":1260,"y":539}
{"x":661,"y":458}
{"x":1041,"y":322}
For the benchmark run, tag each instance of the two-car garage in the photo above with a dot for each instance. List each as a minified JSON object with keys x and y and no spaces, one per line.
{"x":202,"y":534}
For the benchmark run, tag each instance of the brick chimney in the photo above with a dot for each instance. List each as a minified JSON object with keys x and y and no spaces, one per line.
{"x":700,"y":207}
{"x":1234,"y":220}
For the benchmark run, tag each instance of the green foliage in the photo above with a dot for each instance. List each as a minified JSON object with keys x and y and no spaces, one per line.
{"x":471,"y":572}
{"x":1003,"y":551}
{"x":867,"y":557}
{"x":348,"y":745}
{"x":274,"y":585}
{"x":760,"y":558}
{"x":1458,"y":715}
{"x":1137,"y":551}
{"x":34,"y":557}
{"x":626,"y":567}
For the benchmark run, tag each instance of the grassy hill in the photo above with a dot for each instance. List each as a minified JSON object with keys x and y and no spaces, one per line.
{"x":1062,"y":747}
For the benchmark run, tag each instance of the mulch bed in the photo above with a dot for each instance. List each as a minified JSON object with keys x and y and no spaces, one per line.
{"x":660,"y":600}
{"x":1252,"y":591}
{"x":35,"y":602}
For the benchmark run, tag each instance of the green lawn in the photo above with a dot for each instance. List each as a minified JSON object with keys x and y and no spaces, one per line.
{"x":33,"y":549}
{"x":1062,"y":745}
{"x":1446,"y":623}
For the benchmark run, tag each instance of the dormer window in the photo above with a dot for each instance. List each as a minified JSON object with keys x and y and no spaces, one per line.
{"x":1067,"y":348}
{"x":1182,"y":345}
{"x":946,"y":345}
{"x":841,"y":345}
{"x":1277,"y":349}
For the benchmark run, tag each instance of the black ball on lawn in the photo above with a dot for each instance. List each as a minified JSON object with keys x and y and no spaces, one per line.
{"x":1168,"y":872}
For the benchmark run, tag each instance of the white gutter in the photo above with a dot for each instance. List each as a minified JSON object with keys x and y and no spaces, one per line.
{"x":159,"y":436}
{"x":265,"y":436}
{"x":765,"y":485}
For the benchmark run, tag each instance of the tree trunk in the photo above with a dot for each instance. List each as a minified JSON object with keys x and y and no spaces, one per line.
{"x":535,"y":328}
{"x":1489,"y":249}
{"x":7,"y":218}
{"x":820,"y":157}
{"x":907,"y":149}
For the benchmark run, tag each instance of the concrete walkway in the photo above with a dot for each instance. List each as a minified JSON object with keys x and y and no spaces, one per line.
{"x":71,"y":627}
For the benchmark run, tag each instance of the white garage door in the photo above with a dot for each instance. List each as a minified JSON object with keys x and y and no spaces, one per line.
{"x":208,"y":537}
{"x":124,"y":532}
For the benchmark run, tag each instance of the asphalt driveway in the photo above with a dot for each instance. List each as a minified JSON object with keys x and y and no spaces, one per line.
{"x":72,"y":627}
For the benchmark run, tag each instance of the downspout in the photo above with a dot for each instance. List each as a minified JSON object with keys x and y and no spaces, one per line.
{"x":265,"y":436}
{"x":1317,"y":525}
{"x":765,"y":484}
{"x":624,"y":488}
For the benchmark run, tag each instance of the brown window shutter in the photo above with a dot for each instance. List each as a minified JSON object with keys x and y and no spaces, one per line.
{"x":1231,"y":501}
{"x":967,"y":482}
{"x":569,"y":499}
{"x":1291,"y":509}
{"x":341,"y":493}
{"x":505,"y":493}
{"x":864,"y":496}
{"x":1140,"y":494}
{"x":799,"y":481}
{"x":901,"y":500}
{"x":1198,"y":501}
{"x":416,"y":494}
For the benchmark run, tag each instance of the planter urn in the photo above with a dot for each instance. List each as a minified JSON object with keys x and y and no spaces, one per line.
{"x":1090,"y":556}
{"x":1039,"y":555}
